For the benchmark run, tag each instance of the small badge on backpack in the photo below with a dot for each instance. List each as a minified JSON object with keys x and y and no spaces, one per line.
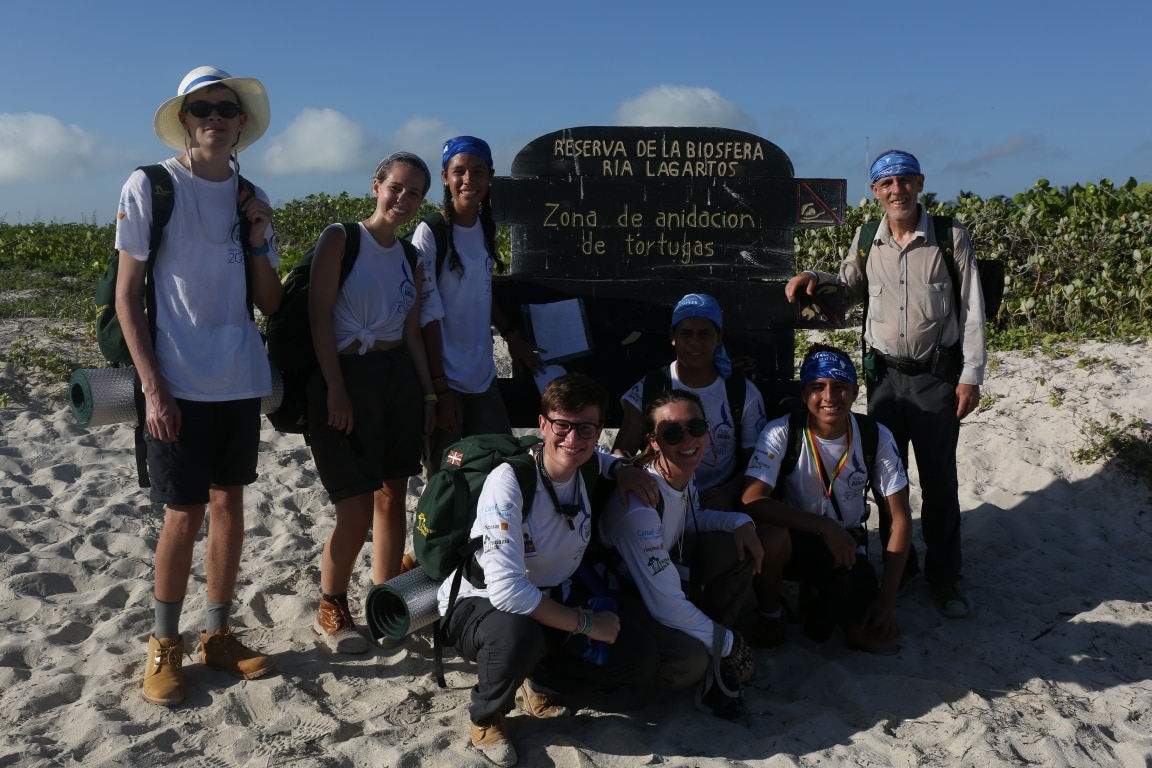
{"x":455,"y":458}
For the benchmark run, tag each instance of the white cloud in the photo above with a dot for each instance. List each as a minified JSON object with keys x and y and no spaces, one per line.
{"x":681,"y":105}
{"x":41,"y":148}
{"x":318,"y":141}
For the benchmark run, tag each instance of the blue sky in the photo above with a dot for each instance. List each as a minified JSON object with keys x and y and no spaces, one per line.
{"x":991,"y":96}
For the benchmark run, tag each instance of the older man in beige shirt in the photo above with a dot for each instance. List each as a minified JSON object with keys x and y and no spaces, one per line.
{"x":926,"y":352}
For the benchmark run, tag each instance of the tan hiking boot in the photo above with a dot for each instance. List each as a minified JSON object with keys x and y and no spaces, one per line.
{"x":163,"y":672}
{"x":539,"y":703}
{"x":493,"y":742}
{"x":334,"y":624}
{"x":221,"y":650}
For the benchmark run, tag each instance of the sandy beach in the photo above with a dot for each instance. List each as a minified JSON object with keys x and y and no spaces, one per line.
{"x":1051,"y":669}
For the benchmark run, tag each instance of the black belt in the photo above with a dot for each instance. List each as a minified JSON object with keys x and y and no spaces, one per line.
{"x":908,"y":367}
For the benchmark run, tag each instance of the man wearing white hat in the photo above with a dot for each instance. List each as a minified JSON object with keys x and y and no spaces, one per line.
{"x":199,"y":356}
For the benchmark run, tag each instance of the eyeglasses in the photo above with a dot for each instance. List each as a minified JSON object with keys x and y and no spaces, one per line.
{"x":585,"y":430}
{"x":674,"y":435}
{"x":202,"y":109}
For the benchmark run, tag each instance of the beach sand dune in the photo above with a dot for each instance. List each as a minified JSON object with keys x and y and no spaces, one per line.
{"x":1051,"y":669}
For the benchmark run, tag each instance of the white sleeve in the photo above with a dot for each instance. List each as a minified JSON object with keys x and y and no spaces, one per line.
{"x":134,"y":216}
{"x":635,"y":396}
{"x":431,"y":307}
{"x":769,"y":454}
{"x":500,"y":522}
{"x":637,"y":533}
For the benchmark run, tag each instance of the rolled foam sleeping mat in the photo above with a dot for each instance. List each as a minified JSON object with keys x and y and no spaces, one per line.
{"x":100,"y":396}
{"x":401,"y":605}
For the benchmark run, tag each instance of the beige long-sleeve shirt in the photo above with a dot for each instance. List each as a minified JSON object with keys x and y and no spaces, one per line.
{"x":910,"y":296}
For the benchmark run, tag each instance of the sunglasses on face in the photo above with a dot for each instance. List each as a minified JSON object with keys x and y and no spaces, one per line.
{"x":585,"y":430}
{"x":674,"y":435}
{"x":202,"y":109}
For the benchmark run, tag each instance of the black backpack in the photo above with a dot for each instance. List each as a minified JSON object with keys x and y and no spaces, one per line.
{"x":289,"y":331}
{"x":991,"y":271}
{"x":109,"y":334}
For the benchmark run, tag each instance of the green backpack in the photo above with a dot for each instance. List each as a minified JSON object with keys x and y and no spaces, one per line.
{"x":442,"y":535}
{"x":109,"y":333}
{"x":289,"y":331}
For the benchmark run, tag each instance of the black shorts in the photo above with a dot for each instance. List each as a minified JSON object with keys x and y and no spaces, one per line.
{"x":388,"y":424}
{"x":218,"y":447}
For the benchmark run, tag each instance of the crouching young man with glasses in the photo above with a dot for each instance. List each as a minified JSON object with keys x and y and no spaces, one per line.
{"x":529,"y":628}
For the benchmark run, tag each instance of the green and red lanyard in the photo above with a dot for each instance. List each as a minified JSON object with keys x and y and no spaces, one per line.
{"x":826,"y":485}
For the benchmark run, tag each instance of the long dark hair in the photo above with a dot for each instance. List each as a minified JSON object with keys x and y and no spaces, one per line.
{"x":650,"y":454}
{"x":487,"y":223}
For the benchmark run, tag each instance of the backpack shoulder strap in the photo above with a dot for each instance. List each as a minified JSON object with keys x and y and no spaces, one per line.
{"x":867,"y":237}
{"x":869,"y":438}
{"x":797,"y":422}
{"x":412,"y":255}
{"x":525,"y":468}
{"x":657,"y":381}
{"x":736,"y":390}
{"x":351,"y":249}
{"x":163,"y":202}
{"x":245,"y":228}
{"x":944,"y":239}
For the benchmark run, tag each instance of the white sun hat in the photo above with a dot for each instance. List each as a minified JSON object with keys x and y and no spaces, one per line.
{"x":253,"y":100}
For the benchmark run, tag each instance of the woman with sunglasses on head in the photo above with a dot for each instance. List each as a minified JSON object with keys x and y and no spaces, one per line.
{"x":527,"y":628}
{"x":691,"y":567}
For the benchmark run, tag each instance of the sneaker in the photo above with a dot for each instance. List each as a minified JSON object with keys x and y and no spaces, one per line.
{"x":950,"y":601}
{"x":163,"y":672}
{"x":766,"y":631}
{"x":539,"y":703}
{"x":221,"y":650}
{"x":493,"y":742}
{"x":334,"y":624}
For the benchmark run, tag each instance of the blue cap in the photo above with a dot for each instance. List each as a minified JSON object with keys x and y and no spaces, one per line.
{"x":704,"y":306}
{"x":894,"y":163}
{"x":825,"y":364}
{"x":469,"y":145}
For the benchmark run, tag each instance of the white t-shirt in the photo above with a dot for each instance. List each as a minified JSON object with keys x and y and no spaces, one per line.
{"x":720,"y":459}
{"x":645,"y":541}
{"x":207,"y":346}
{"x":376,"y":297}
{"x":521,"y":555}
{"x":802,"y":487}
{"x":462,"y":304}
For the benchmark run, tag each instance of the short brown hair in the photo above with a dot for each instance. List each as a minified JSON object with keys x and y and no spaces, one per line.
{"x":573,"y":392}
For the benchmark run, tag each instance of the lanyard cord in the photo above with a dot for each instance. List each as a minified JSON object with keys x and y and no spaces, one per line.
{"x":566,"y":511}
{"x":826,"y":485}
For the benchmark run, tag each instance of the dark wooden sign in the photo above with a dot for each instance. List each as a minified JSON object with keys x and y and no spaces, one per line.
{"x":630,"y":219}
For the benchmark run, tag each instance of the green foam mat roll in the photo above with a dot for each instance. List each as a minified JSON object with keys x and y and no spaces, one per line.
{"x":402,"y":605}
{"x":100,"y":396}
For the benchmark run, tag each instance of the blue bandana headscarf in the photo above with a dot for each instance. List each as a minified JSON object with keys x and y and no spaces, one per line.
{"x":469,"y":145}
{"x":703,"y":305}
{"x":827,"y":365}
{"x":894,"y":163}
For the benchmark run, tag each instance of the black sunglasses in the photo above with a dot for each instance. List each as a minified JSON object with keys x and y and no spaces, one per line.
{"x":202,"y":109}
{"x":674,"y":435}
{"x":585,"y":430}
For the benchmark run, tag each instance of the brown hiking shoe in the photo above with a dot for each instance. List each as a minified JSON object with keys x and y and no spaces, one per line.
{"x":334,"y":624}
{"x":163,"y":675}
{"x":221,"y":650}
{"x":492,"y":741}
{"x":539,"y":703}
